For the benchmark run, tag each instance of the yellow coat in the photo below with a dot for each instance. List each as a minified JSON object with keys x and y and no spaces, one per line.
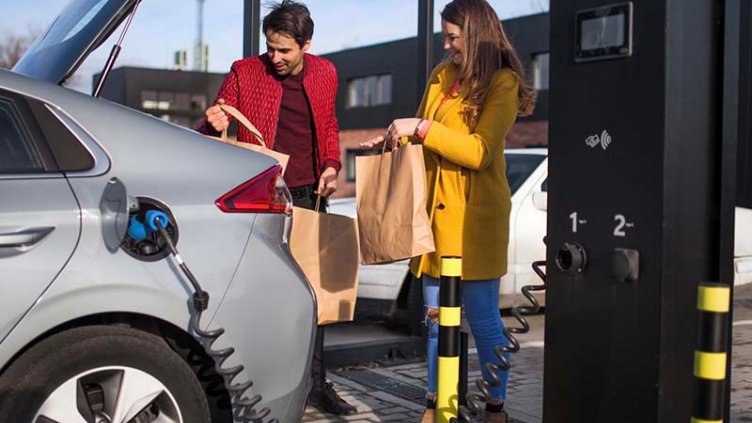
{"x":468,"y":194}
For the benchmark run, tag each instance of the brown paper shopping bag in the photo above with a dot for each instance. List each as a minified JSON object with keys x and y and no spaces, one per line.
{"x":242,"y":120}
{"x":325,"y":247}
{"x":391,"y":203}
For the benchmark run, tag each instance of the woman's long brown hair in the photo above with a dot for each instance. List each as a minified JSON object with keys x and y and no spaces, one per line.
{"x":486,"y":49}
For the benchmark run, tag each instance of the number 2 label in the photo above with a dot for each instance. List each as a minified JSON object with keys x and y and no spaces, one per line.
{"x":621,"y":222}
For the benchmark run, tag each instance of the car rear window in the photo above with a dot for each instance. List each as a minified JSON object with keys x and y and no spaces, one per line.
{"x":17,"y":151}
{"x":520,"y":167}
{"x":69,"y":154}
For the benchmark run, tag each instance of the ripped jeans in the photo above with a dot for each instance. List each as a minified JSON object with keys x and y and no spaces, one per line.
{"x":481,"y":302}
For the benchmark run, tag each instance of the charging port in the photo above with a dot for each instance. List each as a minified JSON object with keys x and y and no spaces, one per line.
{"x":142,"y":240}
{"x":571,"y":258}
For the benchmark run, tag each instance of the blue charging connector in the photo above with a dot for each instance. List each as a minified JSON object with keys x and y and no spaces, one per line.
{"x":138,"y":230}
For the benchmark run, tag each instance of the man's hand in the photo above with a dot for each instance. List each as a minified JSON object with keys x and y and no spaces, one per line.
{"x":327,"y":182}
{"x":216,"y":117}
{"x":374,"y":142}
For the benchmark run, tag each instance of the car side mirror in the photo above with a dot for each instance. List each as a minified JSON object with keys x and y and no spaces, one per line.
{"x":540,"y":200}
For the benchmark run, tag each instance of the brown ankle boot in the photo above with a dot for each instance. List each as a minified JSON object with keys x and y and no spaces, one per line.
{"x":429,"y":416}
{"x":500,"y":417}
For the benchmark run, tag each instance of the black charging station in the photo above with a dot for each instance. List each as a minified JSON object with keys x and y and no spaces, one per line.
{"x":641,"y":196}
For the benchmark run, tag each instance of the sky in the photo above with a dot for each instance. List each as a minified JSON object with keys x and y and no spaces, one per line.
{"x":162,"y":27}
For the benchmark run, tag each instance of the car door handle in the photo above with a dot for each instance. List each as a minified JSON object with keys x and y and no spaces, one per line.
{"x":22,"y":240}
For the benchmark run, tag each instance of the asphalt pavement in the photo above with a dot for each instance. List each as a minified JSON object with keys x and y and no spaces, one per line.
{"x":393,"y":391}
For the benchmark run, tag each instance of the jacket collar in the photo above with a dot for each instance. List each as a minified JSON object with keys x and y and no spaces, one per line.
{"x":443,"y":83}
{"x":447,"y":75}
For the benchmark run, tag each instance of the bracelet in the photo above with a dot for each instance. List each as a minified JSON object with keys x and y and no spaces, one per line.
{"x":417,"y":127}
{"x":424,"y":126}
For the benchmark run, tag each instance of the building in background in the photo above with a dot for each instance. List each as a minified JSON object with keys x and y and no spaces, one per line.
{"x":201,"y":49}
{"x":180,"y":60}
{"x":180,"y":97}
{"x":201,"y":57}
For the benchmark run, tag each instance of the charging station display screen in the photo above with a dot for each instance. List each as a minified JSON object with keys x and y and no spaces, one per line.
{"x":604,"y":33}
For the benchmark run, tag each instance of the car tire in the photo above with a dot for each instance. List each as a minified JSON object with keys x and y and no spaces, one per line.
{"x":415,"y":306}
{"x":50,"y":366}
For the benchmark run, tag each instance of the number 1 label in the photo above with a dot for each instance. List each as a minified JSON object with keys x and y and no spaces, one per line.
{"x":573,"y":216}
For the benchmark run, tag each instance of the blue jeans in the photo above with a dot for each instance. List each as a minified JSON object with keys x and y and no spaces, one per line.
{"x":481,"y":301}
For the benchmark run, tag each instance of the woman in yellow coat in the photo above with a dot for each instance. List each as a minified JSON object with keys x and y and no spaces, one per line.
{"x":472,"y":100}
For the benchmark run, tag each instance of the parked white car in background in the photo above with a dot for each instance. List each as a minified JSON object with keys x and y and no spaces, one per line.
{"x":389,"y":290}
{"x":743,"y":246}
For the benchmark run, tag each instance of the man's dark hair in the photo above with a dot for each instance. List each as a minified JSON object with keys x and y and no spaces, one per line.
{"x":290,"y":18}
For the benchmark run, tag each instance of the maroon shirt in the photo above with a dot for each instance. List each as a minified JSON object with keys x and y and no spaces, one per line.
{"x":295,"y":135}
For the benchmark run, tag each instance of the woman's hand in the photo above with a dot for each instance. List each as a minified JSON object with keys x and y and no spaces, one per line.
{"x":398,"y":129}
{"x":402,"y":128}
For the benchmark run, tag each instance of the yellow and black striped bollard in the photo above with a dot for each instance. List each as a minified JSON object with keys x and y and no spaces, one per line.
{"x":713,"y":303}
{"x":450,"y":301}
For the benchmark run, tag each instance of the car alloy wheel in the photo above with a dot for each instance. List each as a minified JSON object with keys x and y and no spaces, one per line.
{"x":102,"y":374}
{"x":110,"y":394}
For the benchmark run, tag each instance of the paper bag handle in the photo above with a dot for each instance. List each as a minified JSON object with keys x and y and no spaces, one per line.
{"x":383,"y":150}
{"x":243,"y":121}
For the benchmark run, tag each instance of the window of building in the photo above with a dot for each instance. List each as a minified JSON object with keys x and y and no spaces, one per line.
{"x":385,"y":88}
{"x":148,"y":99}
{"x":167,"y":100}
{"x":356,"y":92}
{"x":351,"y":154}
{"x":540,"y":70}
{"x":368,"y":91}
{"x":17,"y":152}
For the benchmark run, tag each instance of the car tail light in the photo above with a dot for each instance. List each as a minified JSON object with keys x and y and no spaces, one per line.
{"x":265,"y":193}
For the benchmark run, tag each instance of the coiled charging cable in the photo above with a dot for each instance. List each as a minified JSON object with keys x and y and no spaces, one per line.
{"x":243,"y":406}
{"x":476,"y":399}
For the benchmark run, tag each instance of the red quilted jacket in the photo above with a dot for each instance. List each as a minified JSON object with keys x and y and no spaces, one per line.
{"x":253,"y":88}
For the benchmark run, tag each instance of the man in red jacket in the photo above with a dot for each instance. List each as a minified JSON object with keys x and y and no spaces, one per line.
{"x":289,"y":96}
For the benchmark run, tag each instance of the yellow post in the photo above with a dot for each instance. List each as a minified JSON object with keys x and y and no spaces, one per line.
{"x":713,"y":305}
{"x":450,"y":301}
